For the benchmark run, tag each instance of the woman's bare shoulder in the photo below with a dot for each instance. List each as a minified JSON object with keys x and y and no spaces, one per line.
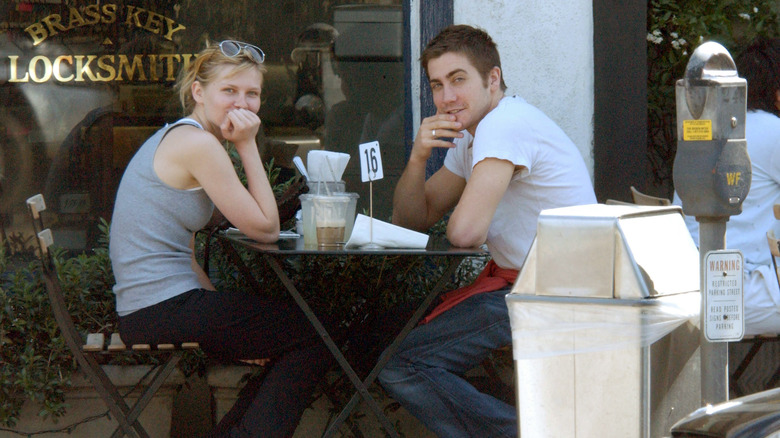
{"x":190,"y":138}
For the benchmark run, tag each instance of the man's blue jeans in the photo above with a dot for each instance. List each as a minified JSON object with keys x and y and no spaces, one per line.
{"x":425,"y":375}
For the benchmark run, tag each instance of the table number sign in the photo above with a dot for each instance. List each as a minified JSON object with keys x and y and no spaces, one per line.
{"x":370,"y":162}
{"x":371,"y":170}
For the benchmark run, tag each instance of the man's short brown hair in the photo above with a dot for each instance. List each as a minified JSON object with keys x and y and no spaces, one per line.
{"x":472,"y":42}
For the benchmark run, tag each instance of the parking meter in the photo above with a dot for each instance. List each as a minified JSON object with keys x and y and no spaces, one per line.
{"x":712,"y":175}
{"x":712,"y":169}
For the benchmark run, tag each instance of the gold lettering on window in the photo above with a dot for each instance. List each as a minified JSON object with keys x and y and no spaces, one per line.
{"x":91,"y":15}
{"x":99,"y":68}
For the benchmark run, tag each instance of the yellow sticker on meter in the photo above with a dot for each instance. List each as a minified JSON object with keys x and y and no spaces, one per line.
{"x":697,"y":130}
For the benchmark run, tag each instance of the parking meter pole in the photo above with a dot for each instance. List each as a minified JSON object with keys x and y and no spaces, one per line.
{"x":712,"y":175}
{"x":714,"y":355}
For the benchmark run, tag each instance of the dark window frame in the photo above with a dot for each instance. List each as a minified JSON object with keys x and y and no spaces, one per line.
{"x":435,"y":15}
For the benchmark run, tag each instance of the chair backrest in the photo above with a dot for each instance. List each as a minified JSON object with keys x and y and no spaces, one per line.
{"x":36,"y":205}
{"x":643,"y":199}
{"x":774,"y":243}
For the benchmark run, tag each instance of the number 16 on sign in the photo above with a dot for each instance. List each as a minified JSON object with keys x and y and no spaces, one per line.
{"x":370,"y":170}
{"x":370,"y":161}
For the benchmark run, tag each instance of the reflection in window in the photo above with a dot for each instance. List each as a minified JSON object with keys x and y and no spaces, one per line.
{"x":83,"y":83}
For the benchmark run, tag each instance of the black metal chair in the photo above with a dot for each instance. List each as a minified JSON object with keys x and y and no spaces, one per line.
{"x":86,"y":353}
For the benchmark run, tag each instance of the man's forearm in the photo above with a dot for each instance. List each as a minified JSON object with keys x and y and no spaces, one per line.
{"x":410,"y":207}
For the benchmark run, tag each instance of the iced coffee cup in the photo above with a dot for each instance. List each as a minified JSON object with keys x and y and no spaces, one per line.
{"x":330,"y":220}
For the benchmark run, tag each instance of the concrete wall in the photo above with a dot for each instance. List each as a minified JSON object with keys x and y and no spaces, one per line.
{"x":546,"y":49}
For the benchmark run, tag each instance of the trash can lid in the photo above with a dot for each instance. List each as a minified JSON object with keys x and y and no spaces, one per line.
{"x":610,"y":251}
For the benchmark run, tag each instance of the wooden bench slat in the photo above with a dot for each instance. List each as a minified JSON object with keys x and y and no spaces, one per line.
{"x":116,"y":343}
{"x":95,"y":342}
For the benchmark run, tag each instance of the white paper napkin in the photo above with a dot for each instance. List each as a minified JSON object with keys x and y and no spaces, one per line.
{"x":384,"y":234}
{"x":317,"y":165}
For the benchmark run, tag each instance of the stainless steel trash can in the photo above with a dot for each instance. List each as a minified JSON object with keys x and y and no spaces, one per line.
{"x":605,"y":316}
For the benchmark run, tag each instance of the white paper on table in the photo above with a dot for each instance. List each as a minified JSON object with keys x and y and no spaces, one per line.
{"x":317,"y":165}
{"x":384,"y":234}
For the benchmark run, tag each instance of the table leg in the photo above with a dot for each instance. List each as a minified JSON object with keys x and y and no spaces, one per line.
{"x":393,"y":347}
{"x":334,"y":349}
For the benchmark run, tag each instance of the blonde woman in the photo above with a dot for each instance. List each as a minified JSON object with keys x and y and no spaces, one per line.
{"x":168,"y":192}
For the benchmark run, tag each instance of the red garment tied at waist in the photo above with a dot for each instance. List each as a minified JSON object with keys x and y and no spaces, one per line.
{"x":490,"y":279}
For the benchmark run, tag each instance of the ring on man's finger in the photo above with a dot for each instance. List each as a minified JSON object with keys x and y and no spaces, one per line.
{"x":433,"y":133}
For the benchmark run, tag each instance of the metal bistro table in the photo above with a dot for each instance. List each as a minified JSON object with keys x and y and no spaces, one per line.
{"x":293,"y":247}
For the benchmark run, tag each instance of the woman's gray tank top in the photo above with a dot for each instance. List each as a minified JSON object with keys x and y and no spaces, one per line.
{"x":151,"y":229}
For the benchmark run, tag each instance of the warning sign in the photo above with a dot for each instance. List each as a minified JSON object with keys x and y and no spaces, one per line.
{"x":697,"y":130}
{"x":723,"y":295}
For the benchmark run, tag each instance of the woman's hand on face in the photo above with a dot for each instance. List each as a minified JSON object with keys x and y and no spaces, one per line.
{"x":240,"y":126}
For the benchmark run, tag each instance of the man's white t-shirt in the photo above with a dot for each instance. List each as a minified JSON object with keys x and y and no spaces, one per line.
{"x":551,"y":173}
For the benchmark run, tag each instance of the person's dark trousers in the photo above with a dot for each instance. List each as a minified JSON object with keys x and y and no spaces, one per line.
{"x":231,"y":326}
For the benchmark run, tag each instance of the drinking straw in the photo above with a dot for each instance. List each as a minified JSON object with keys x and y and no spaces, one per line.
{"x":321,"y":183}
{"x":332,"y":173}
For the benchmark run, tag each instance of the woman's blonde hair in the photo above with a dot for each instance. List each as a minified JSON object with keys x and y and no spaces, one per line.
{"x":204,"y":68}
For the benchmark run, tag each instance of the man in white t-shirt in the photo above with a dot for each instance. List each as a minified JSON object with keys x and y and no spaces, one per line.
{"x":506,"y":162}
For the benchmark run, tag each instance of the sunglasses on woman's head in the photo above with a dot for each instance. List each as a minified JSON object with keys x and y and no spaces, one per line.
{"x":232,"y":48}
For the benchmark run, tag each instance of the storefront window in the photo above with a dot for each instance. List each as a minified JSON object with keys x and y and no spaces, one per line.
{"x":84,"y":83}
